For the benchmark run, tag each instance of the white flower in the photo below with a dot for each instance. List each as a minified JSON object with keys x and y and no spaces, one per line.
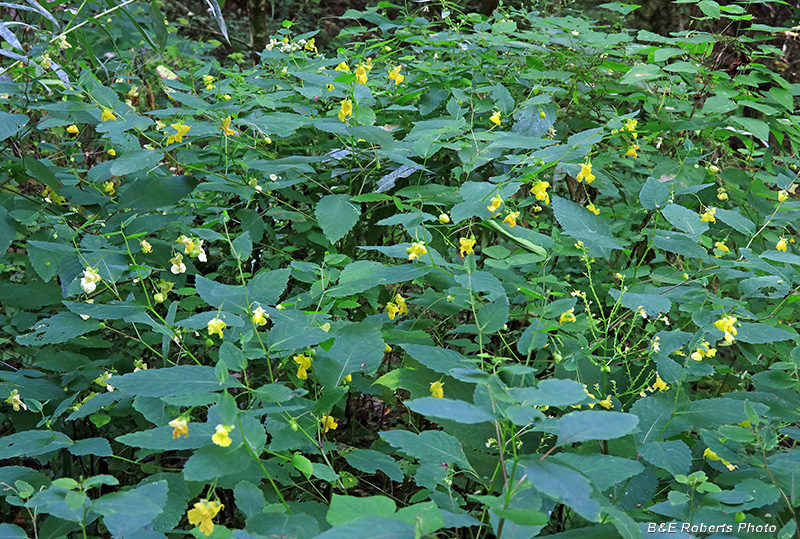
{"x":90,"y":280}
{"x":177,"y":264}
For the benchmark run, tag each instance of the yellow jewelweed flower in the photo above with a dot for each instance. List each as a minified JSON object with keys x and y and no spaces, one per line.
{"x":591,"y":207}
{"x":632,"y":151}
{"x":259,"y":316}
{"x":567,"y":316}
{"x":467,"y":246}
{"x":361,"y":75}
{"x":660,"y":385}
{"x":311,"y":45}
{"x":221,"y":436}
{"x":90,"y":279}
{"x":401,"y":303}
{"x":392,"y":310}
{"x":304,"y":363}
{"x":16,"y":401}
{"x":348,"y":379}
{"x":330,"y":87}
{"x":495,"y":118}
{"x":437,"y":389}
{"x":181,"y":129}
{"x":226,"y":127}
{"x":342,"y":67}
{"x":708,"y":215}
{"x":202,"y":514}
{"x":444,"y":218}
{"x":146,"y":247}
{"x":782,"y":196}
{"x":328,"y":423}
{"x":395,"y":75}
{"x":73,"y":129}
{"x":630,"y":124}
{"x":108,"y":187}
{"x":540,"y":190}
{"x":346,"y":110}
{"x":180,"y":425}
{"x":721,"y":194}
{"x":511,"y":219}
{"x":720,"y":245}
{"x":386,"y":348}
{"x":215,"y":326}
{"x":112,"y":152}
{"x":497,"y":200}
{"x":585,"y":173}
{"x":417,"y":248}
{"x":781,"y":245}
{"x":726,"y":325}
{"x":606,"y":403}
{"x":107,"y":115}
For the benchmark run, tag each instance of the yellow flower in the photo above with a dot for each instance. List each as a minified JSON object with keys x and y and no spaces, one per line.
{"x":361,"y":75}
{"x":395,"y":75}
{"x":330,"y":87}
{"x":342,"y":67}
{"x":721,"y":194}
{"x":495,"y":118}
{"x":202,"y":514}
{"x":722,"y":247}
{"x":310,"y":45}
{"x":177,"y":264}
{"x":348,"y":379}
{"x":606,"y":403}
{"x":497,"y":200}
{"x":444,"y":218}
{"x":180,"y":425}
{"x":215,"y":326}
{"x":697,"y":355}
{"x":417,"y":248}
{"x":304,"y":363}
{"x":567,"y":316}
{"x":108,"y":187}
{"x":437,"y":389}
{"x":328,"y":423}
{"x":591,"y":207}
{"x":540,"y":190}
{"x":542,"y":115}
{"x":63,"y":43}
{"x":386,"y":348}
{"x":259,"y":316}
{"x":226,"y":127}
{"x":630,"y":124}
{"x":782,"y":195}
{"x":708,"y":215}
{"x":146,"y":247}
{"x":781,"y":245}
{"x":181,"y":129}
{"x":346,"y":110}
{"x":585,"y":173}
{"x":401,"y":304}
{"x":392,"y":310}
{"x":220,"y":437}
{"x":511,"y":218}
{"x":467,"y":246}
{"x":73,"y":129}
{"x":660,"y":385}
{"x":632,"y":151}
{"x":112,"y":152}
{"x":16,"y":401}
{"x":107,"y":115}
{"x":89,"y":280}
{"x":726,"y":325}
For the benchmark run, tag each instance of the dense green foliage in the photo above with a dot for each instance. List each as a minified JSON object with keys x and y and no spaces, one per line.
{"x":479,"y":277}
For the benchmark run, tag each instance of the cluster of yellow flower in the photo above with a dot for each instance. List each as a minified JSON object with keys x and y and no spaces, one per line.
{"x":539,"y":189}
{"x":180,"y":130}
{"x":726,"y":325}
{"x":585,"y":173}
{"x":208,"y":82}
{"x":398,"y":306}
{"x":708,"y":215}
{"x":51,"y":196}
{"x":259,"y":316}
{"x":705,"y":350}
{"x":437,"y":389}
{"x":416,"y":250}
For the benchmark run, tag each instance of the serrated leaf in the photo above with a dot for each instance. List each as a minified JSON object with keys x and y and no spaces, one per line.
{"x":337,"y":216}
{"x":594,"y":425}
{"x":453,"y":410}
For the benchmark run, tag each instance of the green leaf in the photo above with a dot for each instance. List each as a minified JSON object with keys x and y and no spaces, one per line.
{"x":678,"y":243}
{"x":594,"y":425}
{"x":653,"y":304}
{"x":11,"y":124}
{"x":302,"y":464}
{"x":249,"y":498}
{"x":430,"y":445}
{"x":673,"y":456}
{"x":126,"y":512}
{"x":437,"y":359}
{"x":454,"y":410}
{"x":337,"y":216}
{"x":762,"y":333}
{"x":267,"y":286}
{"x":684,"y":219}
{"x":155,"y":192}
{"x":642,"y":73}
{"x":565,"y":485}
{"x":91,"y":446}
{"x":551,"y":392}
{"x":159,"y":28}
{"x":718,"y":105}
{"x":357,"y":348}
{"x":11,"y":531}
{"x":585,"y":226}
{"x":242,"y":246}
{"x":347,"y":508}
{"x":736,"y":221}
{"x":212,"y":461}
{"x":229,"y":298}
{"x":135,"y":161}
{"x":711,"y":413}
{"x":371,"y":528}
{"x":710,"y":8}
{"x":523,"y":517}
{"x":425,"y":515}
{"x":57,"y":329}
{"x":757,"y":128}
{"x":653,"y":194}
{"x":370,"y":461}
{"x":160,"y":439}
{"x":171,"y":381}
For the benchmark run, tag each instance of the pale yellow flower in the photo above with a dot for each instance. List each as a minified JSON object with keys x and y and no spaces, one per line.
{"x":511,"y":219}
{"x":417,"y":248}
{"x":90,"y":279}
{"x":539,"y":189}
{"x":782,"y":196}
{"x":395,"y":75}
{"x":592,"y":208}
{"x":202,"y":514}
{"x":226,"y":127}
{"x":467,"y":246}
{"x":346,"y":110}
{"x":708,"y":215}
{"x":567,"y":316}
{"x":180,"y":130}
{"x":107,"y":115}
{"x":361,"y":75}
{"x":221,"y":436}
{"x":304,"y":363}
{"x":73,"y":129}
{"x":437,"y":389}
{"x":259,"y":316}
{"x":328,"y":423}
{"x":632,"y":151}
{"x":726,"y":325}
{"x":497,"y":200}
{"x":781,"y":245}
{"x":495,"y":118}
{"x":16,"y":401}
{"x":215,"y":327}
{"x":146,"y":247}
{"x":180,"y":425}
{"x":585,"y":173}
{"x":444,"y":218}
